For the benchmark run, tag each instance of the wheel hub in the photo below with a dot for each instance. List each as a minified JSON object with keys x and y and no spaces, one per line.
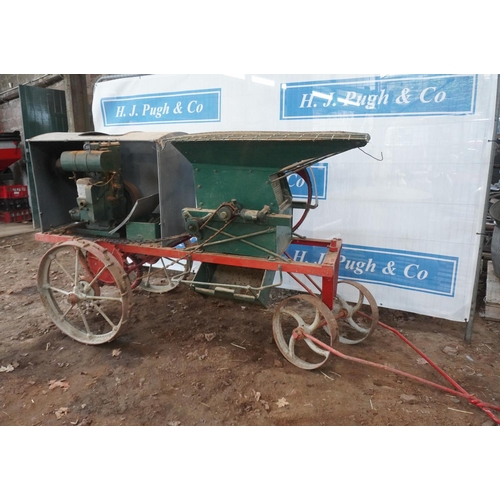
{"x":298,"y":333}
{"x":73,"y":299}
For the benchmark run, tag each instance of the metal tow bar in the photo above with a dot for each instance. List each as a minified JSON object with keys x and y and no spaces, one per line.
{"x":300,"y":334}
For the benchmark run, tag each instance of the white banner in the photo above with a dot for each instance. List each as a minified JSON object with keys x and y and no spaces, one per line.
{"x":410,"y":215}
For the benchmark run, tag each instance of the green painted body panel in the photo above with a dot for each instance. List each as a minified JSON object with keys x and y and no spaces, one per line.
{"x":226,"y":282}
{"x":143,"y":231}
{"x":251,"y":187}
{"x":249,"y":170}
{"x":43,"y":111}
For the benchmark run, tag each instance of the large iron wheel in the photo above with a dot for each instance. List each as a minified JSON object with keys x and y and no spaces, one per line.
{"x":85,"y":291}
{"x":304,"y":314}
{"x":357,"y":319}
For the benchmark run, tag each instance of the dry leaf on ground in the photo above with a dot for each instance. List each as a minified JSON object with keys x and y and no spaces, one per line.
{"x":282,"y":402}
{"x":116,"y":352}
{"x":452,"y":351}
{"x":62,"y":412}
{"x":58,"y":383}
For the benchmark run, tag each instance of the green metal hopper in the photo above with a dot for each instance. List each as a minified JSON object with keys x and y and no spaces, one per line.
{"x":244,"y":203}
{"x":244,"y":168}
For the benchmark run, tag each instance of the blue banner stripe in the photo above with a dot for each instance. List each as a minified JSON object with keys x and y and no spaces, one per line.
{"x":173,"y":107}
{"x":404,"y":96}
{"x":319,"y":176}
{"x":428,"y":273}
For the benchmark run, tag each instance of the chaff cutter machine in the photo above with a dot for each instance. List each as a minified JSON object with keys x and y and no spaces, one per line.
{"x":137,"y":211}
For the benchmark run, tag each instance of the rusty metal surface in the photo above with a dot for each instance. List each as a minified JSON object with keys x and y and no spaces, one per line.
{"x":273,"y":150}
{"x":299,"y":315}
{"x":85,"y":291}
{"x":273,"y":136}
{"x":328,"y":269}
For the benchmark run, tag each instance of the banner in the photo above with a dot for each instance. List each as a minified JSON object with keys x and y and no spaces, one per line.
{"x":408,"y":206}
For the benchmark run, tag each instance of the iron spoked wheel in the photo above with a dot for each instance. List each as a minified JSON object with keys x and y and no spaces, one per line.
{"x":161,"y":277}
{"x":89,"y":303}
{"x":357,"y":320}
{"x":304,"y":313}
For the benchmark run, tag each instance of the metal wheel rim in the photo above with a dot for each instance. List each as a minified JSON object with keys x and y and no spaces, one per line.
{"x":323,"y":320}
{"x":86,"y":311}
{"x":346,"y":313}
{"x":159,"y":280}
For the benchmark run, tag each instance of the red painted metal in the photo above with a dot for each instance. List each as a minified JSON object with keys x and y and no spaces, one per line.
{"x":457,"y":391}
{"x":328,"y":269}
{"x":9,"y":154}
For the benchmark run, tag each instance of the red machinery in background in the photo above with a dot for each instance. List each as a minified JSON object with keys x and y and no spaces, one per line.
{"x":14,"y":203}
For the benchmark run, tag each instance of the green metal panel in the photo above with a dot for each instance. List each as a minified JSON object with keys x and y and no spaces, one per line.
{"x":143,"y":231}
{"x":245,"y":169}
{"x":249,"y":186}
{"x":43,"y":111}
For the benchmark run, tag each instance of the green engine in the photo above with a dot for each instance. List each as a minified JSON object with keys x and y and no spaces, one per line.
{"x":101,"y":198}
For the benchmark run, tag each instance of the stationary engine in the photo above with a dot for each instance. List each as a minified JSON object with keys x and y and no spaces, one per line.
{"x":101,"y":199}
{"x":131,"y":186}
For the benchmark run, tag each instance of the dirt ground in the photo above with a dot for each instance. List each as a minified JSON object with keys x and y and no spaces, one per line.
{"x":183,"y":359}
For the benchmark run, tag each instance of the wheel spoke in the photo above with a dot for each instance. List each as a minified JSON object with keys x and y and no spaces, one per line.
{"x":316,"y":348}
{"x":354,"y":326}
{"x":55,"y":289}
{"x":357,"y":327}
{"x":291,"y":346}
{"x":77,"y":262}
{"x":103,"y":314}
{"x":294,"y":315}
{"x":102,"y":298}
{"x":96,"y":277}
{"x":315,"y":323}
{"x":68,"y":310}
{"x":84,"y":319}
{"x":73,"y":280}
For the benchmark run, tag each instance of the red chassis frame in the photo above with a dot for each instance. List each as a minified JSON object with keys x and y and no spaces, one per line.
{"x":328,"y":270}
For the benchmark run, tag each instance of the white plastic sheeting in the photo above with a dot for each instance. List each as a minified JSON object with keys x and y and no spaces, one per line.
{"x":410,"y":212}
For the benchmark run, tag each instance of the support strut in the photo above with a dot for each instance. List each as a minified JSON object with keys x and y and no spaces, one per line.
{"x":458,"y":391}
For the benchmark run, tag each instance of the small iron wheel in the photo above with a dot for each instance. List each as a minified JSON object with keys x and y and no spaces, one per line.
{"x":304,"y":313}
{"x":84,"y":307}
{"x":357,"y":320}
{"x":160,"y":277}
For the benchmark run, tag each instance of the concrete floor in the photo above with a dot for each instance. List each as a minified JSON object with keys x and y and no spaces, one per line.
{"x":13,"y":228}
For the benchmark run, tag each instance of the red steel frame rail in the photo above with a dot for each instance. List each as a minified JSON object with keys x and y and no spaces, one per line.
{"x":328,"y":270}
